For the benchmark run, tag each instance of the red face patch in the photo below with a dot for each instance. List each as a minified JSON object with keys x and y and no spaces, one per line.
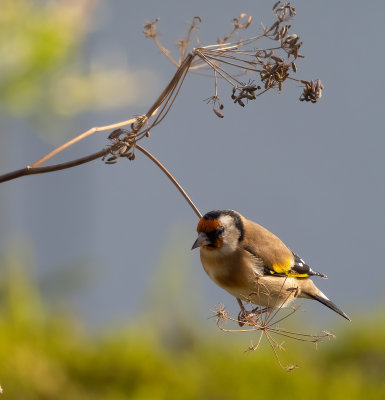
{"x":208,"y":225}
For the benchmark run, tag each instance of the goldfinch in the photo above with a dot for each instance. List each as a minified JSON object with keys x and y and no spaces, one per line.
{"x":253,"y":264}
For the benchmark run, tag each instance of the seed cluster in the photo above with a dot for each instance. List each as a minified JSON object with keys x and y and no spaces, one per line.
{"x":312,"y":91}
{"x":270,"y":65}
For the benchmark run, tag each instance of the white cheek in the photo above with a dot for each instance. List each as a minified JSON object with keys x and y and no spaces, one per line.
{"x":230,"y":235}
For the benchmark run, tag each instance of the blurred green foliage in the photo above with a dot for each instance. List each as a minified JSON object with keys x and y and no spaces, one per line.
{"x":48,"y":355}
{"x":38,"y":39}
{"x":48,"y":78}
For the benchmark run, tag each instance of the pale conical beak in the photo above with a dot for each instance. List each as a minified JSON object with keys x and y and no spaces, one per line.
{"x":201,"y":241}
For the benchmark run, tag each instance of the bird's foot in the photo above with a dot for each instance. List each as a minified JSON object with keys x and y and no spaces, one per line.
{"x":246,"y":317}
{"x":259,"y":310}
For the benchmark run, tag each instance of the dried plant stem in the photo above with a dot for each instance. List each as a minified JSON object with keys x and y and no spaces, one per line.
{"x":78,"y":138}
{"x":170,"y":88}
{"x":165,"y":51}
{"x":172,"y":179}
{"x":50,"y":168}
{"x":56,"y":167}
{"x":163,"y":103}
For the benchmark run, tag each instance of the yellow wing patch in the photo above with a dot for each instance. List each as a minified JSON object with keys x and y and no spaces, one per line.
{"x":285,"y":269}
{"x":281,"y":268}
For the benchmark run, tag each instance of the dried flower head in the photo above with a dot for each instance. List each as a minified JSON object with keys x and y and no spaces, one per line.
{"x":150,"y":30}
{"x":269,"y":66}
{"x":283,"y":12}
{"x":312,"y":91}
{"x":265,"y":322}
{"x":220,"y":313}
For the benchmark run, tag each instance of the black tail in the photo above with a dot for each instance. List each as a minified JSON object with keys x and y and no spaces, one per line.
{"x":330,"y":304}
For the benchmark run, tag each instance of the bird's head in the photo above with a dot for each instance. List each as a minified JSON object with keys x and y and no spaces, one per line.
{"x":220,"y":230}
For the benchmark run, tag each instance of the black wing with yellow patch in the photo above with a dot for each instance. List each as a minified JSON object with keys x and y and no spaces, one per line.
{"x":297,"y":270}
{"x":302,"y":269}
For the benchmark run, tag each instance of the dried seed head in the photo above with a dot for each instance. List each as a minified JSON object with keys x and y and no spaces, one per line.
{"x":312,"y":91}
{"x":292,"y":367}
{"x":285,"y":12}
{"x":220,"y":312}
{"x":150,"y":30}
{"x":244,"y":92}
{"x":242,"y":22}
{"x":229,"y":61}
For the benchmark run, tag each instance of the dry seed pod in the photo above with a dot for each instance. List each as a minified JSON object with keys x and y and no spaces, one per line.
{"x":290,"y":38}
{"x":217,"y":113}
{"x":278,"y":59}
{"x":276,"y":5}
{"x":283,"y":31}
{"x":116,"y":133}
{"x":111,"y":160}
{"x":294,"y":67}
{"x":274,"y":26}
{"x":150,"y":29}
{"x":123,"y":149}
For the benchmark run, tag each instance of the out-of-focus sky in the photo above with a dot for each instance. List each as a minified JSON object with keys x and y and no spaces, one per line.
{"x":311,"y":173}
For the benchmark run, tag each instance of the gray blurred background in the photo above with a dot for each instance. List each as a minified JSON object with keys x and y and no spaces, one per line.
{"x":102,"y":240}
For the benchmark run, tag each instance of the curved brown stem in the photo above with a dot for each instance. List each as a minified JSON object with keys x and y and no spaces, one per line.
{"x":57,"y":167}
{"x":50,"y":168}
{"x":80,"y":137}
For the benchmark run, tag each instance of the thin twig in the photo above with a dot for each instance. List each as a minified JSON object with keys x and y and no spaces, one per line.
{"x":50,"y":168}
{"x":78,"y":138}
{"x":56,"y":167}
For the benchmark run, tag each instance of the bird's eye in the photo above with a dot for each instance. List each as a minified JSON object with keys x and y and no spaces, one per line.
{"x":220,"y":230}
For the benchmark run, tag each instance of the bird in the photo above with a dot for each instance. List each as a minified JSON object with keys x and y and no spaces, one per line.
{"x":253,"y":264}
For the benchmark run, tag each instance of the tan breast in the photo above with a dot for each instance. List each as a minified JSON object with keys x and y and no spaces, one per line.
{"x":227,"y":271}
